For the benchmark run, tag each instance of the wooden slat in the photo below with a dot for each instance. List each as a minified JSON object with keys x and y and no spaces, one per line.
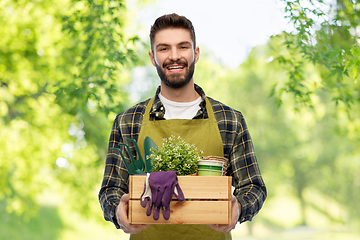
{"x":184,"y":212}
{"x":193,"y":187}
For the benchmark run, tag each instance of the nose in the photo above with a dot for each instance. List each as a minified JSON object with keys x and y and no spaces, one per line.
{"x":174,"y":55}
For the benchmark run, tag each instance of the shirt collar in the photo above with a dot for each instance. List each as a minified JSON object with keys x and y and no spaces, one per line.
{"x":158,"y":111}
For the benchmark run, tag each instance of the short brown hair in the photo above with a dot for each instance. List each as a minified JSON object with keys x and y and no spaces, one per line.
{"x":171,"y":21}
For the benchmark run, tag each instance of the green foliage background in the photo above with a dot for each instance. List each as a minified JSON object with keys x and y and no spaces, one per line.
{"x":66,"y":66}
{"x":63,"y":65}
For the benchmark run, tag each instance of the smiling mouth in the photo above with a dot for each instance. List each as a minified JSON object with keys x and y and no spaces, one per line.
{"x":175,"y":67}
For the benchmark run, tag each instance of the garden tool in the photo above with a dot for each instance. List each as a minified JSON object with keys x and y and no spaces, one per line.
{"x":162,"y":187}
{"x":148,"y":144}
{"x":136,"y":166}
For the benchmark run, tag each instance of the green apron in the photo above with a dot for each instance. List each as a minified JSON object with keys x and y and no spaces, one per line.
{"x":204,"y":133}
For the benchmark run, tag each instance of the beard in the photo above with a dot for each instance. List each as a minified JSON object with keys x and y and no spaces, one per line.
{"x":175,"y":80}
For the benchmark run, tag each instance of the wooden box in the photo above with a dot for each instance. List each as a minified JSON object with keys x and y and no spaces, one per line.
{"x":208,"y":201}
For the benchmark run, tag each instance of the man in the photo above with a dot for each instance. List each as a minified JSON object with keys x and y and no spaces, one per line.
{"x":181,"y":108}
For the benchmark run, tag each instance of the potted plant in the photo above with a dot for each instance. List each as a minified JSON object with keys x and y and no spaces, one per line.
{"x":175,"y":155}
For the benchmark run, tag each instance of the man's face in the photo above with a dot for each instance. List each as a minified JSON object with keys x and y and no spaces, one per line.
{"x":174,"y":56}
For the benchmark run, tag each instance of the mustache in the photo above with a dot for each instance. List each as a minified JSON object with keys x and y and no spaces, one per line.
{"x":178,"y":62}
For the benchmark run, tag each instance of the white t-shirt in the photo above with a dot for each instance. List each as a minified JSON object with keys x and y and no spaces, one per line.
{"x":180,"y":110}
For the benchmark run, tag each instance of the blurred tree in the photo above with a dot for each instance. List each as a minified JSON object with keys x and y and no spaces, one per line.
{"x":63,"y":67}
{"x":326,"y":35}
{"x":299,"y":150}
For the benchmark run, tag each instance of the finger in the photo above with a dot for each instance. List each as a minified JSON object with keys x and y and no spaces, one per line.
{"x":135,"y":229}
{"x":122,"y":212}
{"x":121,"y":216}
{"x":216,"y":227}
{"x":148,"y":211}
{"x":139,"y":227}
{"x":222,"y":227}
{"x":123,"y":227}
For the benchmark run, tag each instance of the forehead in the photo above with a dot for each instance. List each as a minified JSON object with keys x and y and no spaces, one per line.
{"x":171,"y":36}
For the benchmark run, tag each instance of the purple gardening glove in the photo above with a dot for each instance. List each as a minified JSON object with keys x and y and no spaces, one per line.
{"x":162,"y":185}
{"x":146,"y":196}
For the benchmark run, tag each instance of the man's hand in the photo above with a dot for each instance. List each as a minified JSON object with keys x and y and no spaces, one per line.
{"x":122,"y":217}
{"x":235,"y":214}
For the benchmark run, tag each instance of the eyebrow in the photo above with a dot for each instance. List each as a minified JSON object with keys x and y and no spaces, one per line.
{"x":166,"y":45}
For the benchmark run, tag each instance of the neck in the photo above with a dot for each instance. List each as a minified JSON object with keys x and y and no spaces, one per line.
{"x":186,"y":93}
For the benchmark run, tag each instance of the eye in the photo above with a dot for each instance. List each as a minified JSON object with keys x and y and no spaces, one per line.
{"x":162,"y":48}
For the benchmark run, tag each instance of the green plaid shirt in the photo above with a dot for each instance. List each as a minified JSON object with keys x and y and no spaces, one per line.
{"x":250,"y":189}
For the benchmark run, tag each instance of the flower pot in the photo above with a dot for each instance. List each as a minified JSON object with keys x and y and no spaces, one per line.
{"x":207,"y":172}
{"x":210,"y":168}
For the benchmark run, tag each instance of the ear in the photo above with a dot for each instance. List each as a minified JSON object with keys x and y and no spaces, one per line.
{"x":152,"y":58}
{"x":197,"y":54}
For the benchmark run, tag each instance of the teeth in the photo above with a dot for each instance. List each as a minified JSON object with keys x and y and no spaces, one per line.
{"x":175,"y":67}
